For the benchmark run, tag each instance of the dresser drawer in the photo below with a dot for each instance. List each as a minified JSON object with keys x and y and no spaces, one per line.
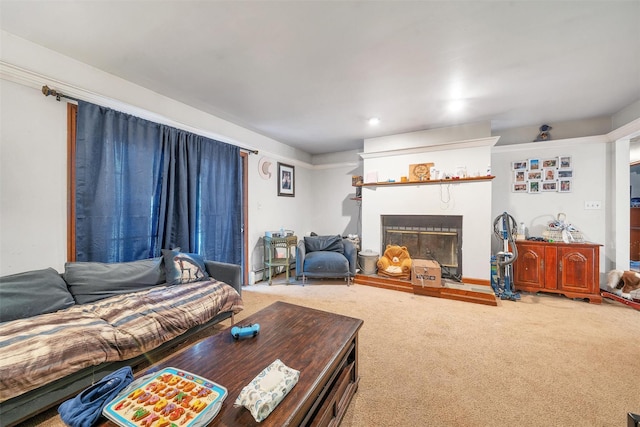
{"x":337,"y":399}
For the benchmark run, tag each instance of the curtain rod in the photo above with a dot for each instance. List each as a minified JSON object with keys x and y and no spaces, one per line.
{"x":46,"y":90}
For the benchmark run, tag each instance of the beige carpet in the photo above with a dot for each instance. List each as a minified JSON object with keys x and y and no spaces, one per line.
{"x":543,"y":361}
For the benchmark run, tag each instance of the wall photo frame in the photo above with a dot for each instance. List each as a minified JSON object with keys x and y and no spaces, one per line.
{"x":565,"y":185}
{"x":519,"y":165}
{"x":549,"y":174}
{"x":542,"y":175}
{"x":535,"y":175}
{"x":565,"y":162}
{"x":286,"y":180}
{"x":520,"y":187}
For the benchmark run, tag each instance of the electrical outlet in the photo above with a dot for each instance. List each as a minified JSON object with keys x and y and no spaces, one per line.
{"x":593,"y":204}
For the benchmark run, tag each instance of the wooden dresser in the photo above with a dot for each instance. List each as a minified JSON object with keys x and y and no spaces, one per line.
{"x":571,"y":269}
{"x":634,"y":248}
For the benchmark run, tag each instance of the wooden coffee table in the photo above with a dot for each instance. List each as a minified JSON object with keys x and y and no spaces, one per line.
{"x":322,"y":346}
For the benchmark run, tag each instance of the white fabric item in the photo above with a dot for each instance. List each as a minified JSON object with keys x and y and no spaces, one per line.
{"x":267,"y":389}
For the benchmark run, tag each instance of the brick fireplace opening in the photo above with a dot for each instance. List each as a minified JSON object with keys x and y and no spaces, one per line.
{"x":437,"y":237}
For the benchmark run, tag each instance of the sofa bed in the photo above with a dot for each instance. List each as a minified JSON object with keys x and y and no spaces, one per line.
{"x":60,"y":333}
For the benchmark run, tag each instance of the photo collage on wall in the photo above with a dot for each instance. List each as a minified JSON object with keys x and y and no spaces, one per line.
{"x":551,"y":174}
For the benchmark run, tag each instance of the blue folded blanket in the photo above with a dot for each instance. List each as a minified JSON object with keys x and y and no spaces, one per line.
{"x":85,"y":409}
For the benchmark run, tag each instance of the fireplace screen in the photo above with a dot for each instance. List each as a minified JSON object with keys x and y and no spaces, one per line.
{"x":437,"y":237}
{"x":441,"y":246}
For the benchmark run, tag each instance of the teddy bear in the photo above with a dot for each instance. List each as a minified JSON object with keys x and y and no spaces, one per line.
{"x":395,"y":262}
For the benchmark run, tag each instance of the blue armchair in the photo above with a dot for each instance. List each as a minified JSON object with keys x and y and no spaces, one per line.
{"x":325,"y":257}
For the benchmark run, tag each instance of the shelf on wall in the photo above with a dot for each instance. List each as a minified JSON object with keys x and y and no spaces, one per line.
{"x":429,"y":182}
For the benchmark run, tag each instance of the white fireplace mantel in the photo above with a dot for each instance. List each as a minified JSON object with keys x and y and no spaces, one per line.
{"x":471,"y":201}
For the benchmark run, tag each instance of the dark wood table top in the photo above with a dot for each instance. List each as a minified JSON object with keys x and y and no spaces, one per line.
{"x":311,"y":341}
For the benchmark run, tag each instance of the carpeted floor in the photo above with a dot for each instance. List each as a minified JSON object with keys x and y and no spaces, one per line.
{"x":543,"y":361}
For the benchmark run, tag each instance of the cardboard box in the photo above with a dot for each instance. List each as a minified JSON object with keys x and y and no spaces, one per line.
{"x":426,"y":272}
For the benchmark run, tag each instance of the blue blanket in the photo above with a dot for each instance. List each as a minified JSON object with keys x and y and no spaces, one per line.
{"x":85,"y":409}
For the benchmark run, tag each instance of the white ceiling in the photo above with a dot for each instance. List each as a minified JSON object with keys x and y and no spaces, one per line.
{"x":310,"y":73}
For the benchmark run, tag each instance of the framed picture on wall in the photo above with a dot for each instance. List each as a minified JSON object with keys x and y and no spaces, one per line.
{"x":565,"y":185}
{"x":534,"y":175}
{"x":540,"y":175}
{"x":550,"y":163}
{"x":565,"y":162}
{"x":549,"y":174}
{"x":286,"y":180}
{"x":519,"y":165}
{"x":519,"y":187}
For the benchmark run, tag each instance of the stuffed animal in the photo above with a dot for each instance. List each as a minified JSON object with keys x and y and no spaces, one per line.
{"x":395,"y":262}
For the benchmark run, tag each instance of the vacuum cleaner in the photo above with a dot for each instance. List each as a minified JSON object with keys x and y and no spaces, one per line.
{"x":505,"y":228}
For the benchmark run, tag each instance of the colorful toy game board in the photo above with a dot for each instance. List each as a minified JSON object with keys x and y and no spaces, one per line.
{"x":167,"y":398}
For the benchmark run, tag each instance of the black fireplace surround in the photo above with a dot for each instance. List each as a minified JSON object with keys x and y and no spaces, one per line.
{"x":436,"y":237}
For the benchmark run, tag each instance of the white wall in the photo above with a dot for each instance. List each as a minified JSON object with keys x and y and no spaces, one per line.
{"x":559,"y":131}
{"x":33,"y":195}
{"x":471,"y":200}
{"x":33,"y":160}
{"x":322,"y":203}
{"x":33,"y":166}
{"x":335,"y":211}
{"x":590,"y":157}
{"x":33,"y":154}
{"x":626,"y":115}
{"x":268,"y":211}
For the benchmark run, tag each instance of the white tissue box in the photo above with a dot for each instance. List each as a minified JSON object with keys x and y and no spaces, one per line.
{"x":267,"y":389}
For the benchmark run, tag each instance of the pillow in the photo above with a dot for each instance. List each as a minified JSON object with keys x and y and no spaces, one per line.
{"x":324,"y":243}
{"x":93,"y":281}
{"x":34,"y":292}
{"x":181,"y":267}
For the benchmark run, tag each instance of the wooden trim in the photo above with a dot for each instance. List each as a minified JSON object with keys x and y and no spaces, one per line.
{"x":72,"y":112}
{"x":467,"y":294}
{"x":245,"y":215}
{"x":473,"y":281}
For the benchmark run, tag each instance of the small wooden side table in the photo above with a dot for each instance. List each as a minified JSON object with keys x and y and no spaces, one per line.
{"x":271,"y":244}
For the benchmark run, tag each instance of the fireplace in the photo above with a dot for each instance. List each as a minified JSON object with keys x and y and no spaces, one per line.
{"x":437,"y":237}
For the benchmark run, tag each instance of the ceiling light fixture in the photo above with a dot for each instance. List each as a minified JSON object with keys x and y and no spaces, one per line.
{"x":374,"y":121}
{"x":456,"y":105}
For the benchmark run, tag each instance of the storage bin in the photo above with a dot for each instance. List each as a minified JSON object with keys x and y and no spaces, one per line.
{"x":368,"y":261}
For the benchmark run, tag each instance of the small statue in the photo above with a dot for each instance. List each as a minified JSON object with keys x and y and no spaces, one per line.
{"x":544,"y":133}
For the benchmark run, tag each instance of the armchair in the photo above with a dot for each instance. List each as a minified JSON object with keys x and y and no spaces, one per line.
{"x":325,"y":257}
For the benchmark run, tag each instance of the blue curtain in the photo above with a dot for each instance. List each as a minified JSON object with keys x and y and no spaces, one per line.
{"x":142,"y":186}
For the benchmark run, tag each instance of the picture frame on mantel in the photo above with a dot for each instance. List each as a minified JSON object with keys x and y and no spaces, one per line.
{"x":286,"y":180}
